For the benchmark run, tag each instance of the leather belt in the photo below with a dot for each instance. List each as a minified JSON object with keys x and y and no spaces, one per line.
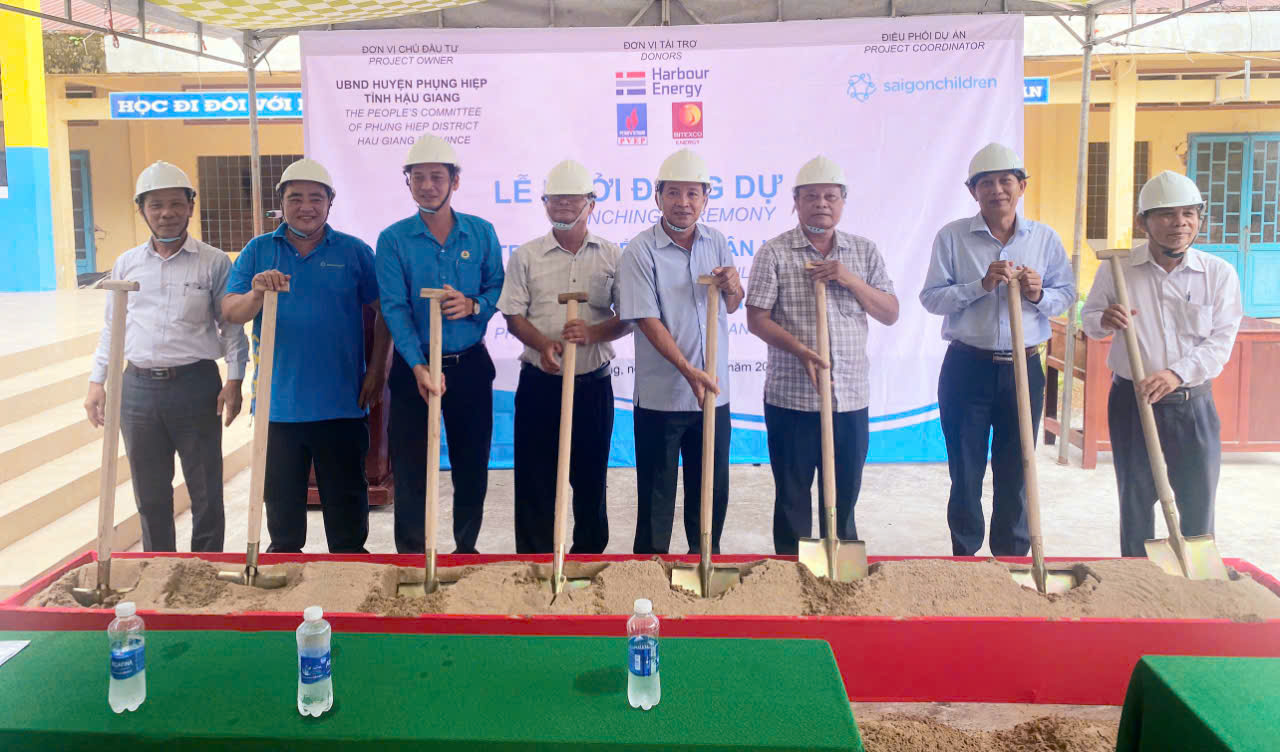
{"x":1177,"y":396}
{"x":165,"y":373}
{"x":996,"y":356}
{"x":453,"y":359}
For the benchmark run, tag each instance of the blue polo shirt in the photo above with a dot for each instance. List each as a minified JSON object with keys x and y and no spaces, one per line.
{"x":319,"y":353}
{"x":410,"y":258}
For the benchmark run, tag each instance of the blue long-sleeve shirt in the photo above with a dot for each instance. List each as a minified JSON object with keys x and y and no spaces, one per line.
{"x":963,"y":250}
{"x":409,"y":258}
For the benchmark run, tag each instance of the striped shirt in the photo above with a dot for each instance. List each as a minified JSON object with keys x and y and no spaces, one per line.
{"x":540,"y":270}
{"x":781,"y":285}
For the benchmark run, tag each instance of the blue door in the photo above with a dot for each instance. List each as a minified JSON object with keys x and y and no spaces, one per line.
{"x":1239,"y":175}
{"x":82,"y":211}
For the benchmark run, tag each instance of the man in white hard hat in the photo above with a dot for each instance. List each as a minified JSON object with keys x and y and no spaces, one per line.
{"x":173,"y":397}
{"x":569,"y":258}
{"x":780,"y":311}
{"x":321,"y":386}
{"x":1186,"y":308}
{"x":660,"y":294}
{"x":973,"y":260}
{"x":438,"y":247}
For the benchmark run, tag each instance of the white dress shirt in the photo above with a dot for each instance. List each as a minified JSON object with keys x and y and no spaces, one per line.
{"x":540,"y":270}
{"x":175,"y":317}
{"x":1187,"y":319}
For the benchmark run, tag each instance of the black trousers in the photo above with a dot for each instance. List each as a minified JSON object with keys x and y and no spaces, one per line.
{"x":537,"y":436}
{"x":157,"y":418}
{"x":795,"y":453}
{"x":338,"y":448}
{"x":663,"y":439}
{"x":978,"y":406}
{"x":1190,"y":436}
{"x":467,"y":407}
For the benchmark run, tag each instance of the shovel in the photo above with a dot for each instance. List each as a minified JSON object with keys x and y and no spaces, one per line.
{"x":1194,"y":557}
{"x":120,"y":290}
{"x":1043,"y":579}
{"x":705,"y":579}
{"x":568,"y":368}
{"x":430,"y":582}
{"x":250,"y":575}
{"x":840,"y":560}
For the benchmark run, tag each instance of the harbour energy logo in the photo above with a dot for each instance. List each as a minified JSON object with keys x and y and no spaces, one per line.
{"x":686,"y":122}
{"x":628,"y":83}
{"x":633,"y":124}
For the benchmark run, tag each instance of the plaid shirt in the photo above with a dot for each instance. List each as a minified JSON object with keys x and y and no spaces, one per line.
{"x":780,"y":285}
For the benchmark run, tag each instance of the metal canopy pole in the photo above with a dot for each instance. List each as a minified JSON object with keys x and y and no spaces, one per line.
{"x":255,"y":168}
{"x":1082,"y":162}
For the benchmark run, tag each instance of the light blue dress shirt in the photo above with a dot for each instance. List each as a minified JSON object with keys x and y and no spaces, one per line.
{"x":963,"y":250}
{"x":659,"y":279}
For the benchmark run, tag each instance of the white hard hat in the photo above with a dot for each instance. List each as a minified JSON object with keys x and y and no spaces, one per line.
{"x":821,"y":171}
{"x":684,"y":166}
{"x":429,"y":149}
{"x":995,"y":158}
{"x":161,"y":175}
{"x":306,"y":169}
{"x":568,"y":178}
{"x":1168,"y":189}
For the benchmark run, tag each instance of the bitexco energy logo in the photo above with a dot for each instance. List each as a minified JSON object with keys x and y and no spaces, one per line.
{"x":686,"y":122}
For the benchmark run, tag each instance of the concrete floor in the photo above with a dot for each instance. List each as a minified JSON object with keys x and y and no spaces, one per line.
{"x":902,"y":510}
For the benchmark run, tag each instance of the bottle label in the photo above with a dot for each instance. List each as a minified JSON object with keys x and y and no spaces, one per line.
{"x":128,"y":661}
{"x":642,"y":656}
{"x":312,"y":669}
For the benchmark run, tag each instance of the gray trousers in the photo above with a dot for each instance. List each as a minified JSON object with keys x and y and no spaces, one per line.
{"x":1190,"y":439}
{"x":157,"y":418}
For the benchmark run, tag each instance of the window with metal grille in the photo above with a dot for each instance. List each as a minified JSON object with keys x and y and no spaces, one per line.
{"x":226,"y":214}
{"x":1097,"y":185}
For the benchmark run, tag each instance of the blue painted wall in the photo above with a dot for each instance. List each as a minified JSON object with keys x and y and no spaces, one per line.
{"x":26,"y":223}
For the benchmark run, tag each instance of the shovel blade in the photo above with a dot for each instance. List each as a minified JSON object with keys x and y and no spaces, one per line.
{"x":416,"y":589}
{"x":90,"y":597}
{"x":1204,"y":562}
{"x":689,"y":577}
{"x":260,"y":580}
{"x":850,"y":559}
{"x":1056,"y":581}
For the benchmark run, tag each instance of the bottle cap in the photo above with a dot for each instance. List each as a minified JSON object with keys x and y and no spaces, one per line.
{"x":644,"y":606}
{"x":312,"y":613}
{"x":126,"y":609}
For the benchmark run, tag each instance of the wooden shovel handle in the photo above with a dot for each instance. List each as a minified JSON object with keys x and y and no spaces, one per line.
{"x":568,"y":370}
{"x":262,"y":414}
{"x":111,"y":418}
{"x":435,"y":361}
{"x":1026,"y":432}
{"x":709,"y":414}
{"x":825,"y":417}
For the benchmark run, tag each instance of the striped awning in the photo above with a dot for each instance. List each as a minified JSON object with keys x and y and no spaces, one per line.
{"x":272,"y":14}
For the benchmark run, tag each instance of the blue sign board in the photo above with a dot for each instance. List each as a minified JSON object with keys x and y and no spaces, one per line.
{"x":203,"y":105}
{"x":1035,"y":90}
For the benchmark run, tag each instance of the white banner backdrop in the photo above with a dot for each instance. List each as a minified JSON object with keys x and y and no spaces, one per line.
{"x":902,"y":104}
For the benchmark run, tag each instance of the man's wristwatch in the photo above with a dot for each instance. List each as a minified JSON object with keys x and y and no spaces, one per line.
{"x":475,"y":307}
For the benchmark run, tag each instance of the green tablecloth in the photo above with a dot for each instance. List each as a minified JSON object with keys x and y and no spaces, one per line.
{"x":1202,"y":704}
{"x":237,"y":691}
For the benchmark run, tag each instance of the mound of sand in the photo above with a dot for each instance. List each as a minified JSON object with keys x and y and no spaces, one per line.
{"x":1132,"y":588}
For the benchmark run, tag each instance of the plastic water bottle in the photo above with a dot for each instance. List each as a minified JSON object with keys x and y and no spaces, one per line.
{"x":128,"y":659}
{"x":644,"y":690}
{"x":315,"y":687}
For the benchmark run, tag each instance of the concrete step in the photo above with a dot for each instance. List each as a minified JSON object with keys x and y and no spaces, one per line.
{"x":48,"y":491}
{"x":33,"y":392}
{"x":18,"y":363}
{"x":71,"y":534}
{"x":43,"y":437}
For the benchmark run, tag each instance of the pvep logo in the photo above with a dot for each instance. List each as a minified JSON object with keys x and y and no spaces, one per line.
{"x":861,"y":87}
{"x":633,"y":124}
